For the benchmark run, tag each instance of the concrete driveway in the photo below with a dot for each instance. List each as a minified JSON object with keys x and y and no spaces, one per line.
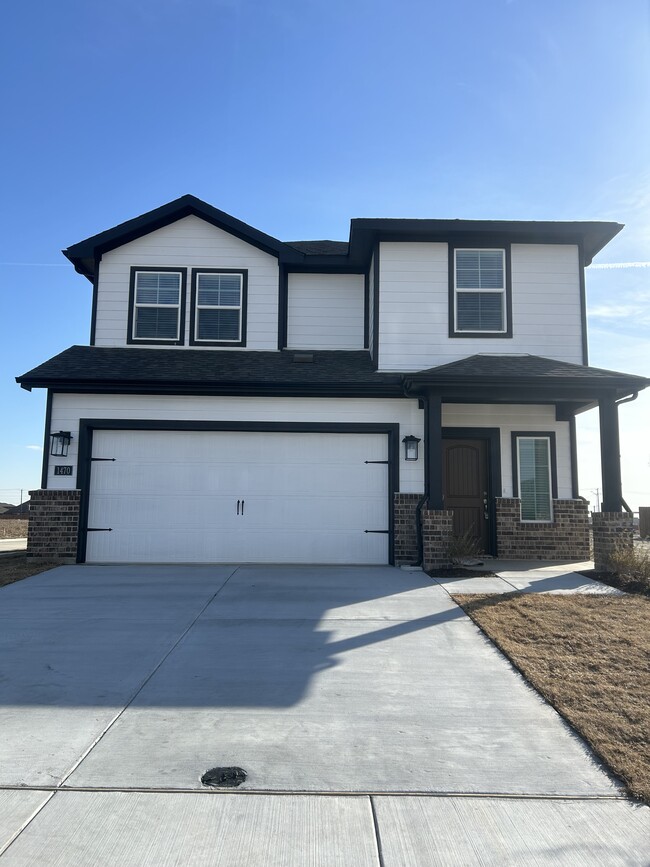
{"x":369,"y":713}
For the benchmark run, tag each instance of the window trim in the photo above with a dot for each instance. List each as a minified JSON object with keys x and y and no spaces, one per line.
{"x":507,"y":290}
{"x":195,"y":341}
{"x":157,"y":341}
{"x":525,"y":434}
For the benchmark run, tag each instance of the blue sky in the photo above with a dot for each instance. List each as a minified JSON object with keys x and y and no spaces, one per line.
{"x":297,"y":115}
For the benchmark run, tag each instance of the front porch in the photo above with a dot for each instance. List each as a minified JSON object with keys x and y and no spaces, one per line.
{"x":514,"y":491}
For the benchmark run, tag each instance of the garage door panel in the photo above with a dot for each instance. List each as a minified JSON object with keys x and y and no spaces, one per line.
{"x":171,"y":496}
{"x":199,"y":546}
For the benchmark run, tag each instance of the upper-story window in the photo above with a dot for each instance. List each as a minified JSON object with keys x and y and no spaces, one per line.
{"x":480,"y":293}
{"x":157,"y":305}
{"x":218,"y":307}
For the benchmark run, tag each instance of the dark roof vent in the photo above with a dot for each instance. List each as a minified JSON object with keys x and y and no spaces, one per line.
{"x":303,"y":357}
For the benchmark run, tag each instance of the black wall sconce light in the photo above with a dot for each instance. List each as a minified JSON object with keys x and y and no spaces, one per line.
{"x":60,"y":443}
{"x":411,"y":448}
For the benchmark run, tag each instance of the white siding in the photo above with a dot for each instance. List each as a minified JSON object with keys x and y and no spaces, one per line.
{"x":325,"y":311}
{"x":414,"y":307}
{"x":67,"y":409}
{"x":513,"y":417}
{"x":188,"y":243}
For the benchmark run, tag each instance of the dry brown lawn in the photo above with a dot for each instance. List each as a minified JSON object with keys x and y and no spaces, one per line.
{"x":13,"y":528}
{"x":16,"y":568}
{"x":589,"y":656}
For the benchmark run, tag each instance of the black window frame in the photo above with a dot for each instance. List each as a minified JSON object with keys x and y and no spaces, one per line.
{"x":243,"y":272}
{"x":157,"y":341}
{"x":505,"y":247}
{"x":534,"y":434}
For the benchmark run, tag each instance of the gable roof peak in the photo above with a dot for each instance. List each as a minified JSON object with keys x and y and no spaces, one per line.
{"x":84,"y":254}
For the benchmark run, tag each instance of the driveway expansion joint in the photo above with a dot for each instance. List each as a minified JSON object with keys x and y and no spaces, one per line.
{"x":139,"y":689}
{"x":327,"y":793}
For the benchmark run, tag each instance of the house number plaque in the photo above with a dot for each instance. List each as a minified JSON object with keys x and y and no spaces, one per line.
{"x":63,"y":470}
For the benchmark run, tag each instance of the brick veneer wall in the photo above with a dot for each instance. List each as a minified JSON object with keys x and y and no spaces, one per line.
{"x":53,"y":525}
{"x":611,"y":530}
{"x":405,"y":524}
{"x":566,"y":537}
{"x":437,"y":531}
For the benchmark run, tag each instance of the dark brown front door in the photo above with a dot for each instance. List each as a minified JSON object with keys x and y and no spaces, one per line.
{"x":465,"y":487}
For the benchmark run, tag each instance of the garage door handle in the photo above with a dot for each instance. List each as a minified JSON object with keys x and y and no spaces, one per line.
{"x":242,"y":507}
{"x":238,"y":506}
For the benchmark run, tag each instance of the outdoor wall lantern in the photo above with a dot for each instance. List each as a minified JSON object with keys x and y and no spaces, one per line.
{"x":411,"y":448}
{"x":60,"y":443}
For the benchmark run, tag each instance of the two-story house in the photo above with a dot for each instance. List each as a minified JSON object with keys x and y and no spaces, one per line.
{"x":245,"y":399}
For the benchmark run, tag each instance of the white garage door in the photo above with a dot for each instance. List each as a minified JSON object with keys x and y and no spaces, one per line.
{"x":244,"y":497}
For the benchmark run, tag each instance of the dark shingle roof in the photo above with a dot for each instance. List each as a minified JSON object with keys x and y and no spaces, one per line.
{"x":355,"y":255}
{"x":214,"y":369}
{"x":333,"y":372}
{"x":321,"y":248}
{"x":486,"y":367}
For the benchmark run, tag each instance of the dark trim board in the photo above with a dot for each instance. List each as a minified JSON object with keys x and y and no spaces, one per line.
{"x":573,"y":441}
{"x":375,"y":306}
{"x":87,"y":426}
{"x":242,"y":390}
{"x":137,"y":341}
{"x":46,"y":440}
{"x":480,"y":244}
{"x":363,"y":234}
{"x":515,"y":469}
{"x":492,"y":437}
{"x":93,"y":314}
{"x":366,"y":310}
{"x":243,"y":310}
{"x":583,"y":304}
{"x":283,"y":306}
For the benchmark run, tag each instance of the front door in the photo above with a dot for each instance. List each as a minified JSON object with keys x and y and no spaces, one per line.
{"x":465,"y":487}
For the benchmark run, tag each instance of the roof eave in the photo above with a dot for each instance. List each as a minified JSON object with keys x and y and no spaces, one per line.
{"x":276,"y":389}
{"x":84,"y":254}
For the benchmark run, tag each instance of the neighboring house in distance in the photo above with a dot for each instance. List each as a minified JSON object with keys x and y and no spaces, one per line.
{"x":245,"y":399}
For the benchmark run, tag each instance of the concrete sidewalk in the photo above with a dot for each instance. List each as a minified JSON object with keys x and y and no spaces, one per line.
{"x":376,"y":723}
{"x":11,"y":546}
{"x":528,"y":576}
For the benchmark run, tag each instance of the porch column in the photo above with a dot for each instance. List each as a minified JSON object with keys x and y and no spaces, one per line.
{"x":610,"y":455}
{"x":433,"y":450}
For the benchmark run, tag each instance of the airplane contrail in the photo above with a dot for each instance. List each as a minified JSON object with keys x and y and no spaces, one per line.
{"x":614,"y":265}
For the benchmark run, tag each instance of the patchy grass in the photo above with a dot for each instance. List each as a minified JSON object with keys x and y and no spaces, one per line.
{"x":16,"y":568}
{"x":13,"y":528}
{"x":589,"y":656}
{"x":629,"y":569}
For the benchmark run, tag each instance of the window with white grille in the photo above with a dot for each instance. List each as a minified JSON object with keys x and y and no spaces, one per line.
{"x":157,"y":298}
{"x":219,"y":299}
{"x":480,"y":291}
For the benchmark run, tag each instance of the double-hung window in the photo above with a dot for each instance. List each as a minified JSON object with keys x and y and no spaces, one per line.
{"x":535,"y":475}
{"x":480,"y":296}
{"x":157,"y":300}
{"x":219,"y":307}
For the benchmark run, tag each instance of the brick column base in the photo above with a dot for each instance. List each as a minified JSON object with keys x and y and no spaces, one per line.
{"x":437,"y":531}
{"x":405,"y":527}
{"x":611,"y":530}
{"x":566,"y":537}
{"x":53,"y":525}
